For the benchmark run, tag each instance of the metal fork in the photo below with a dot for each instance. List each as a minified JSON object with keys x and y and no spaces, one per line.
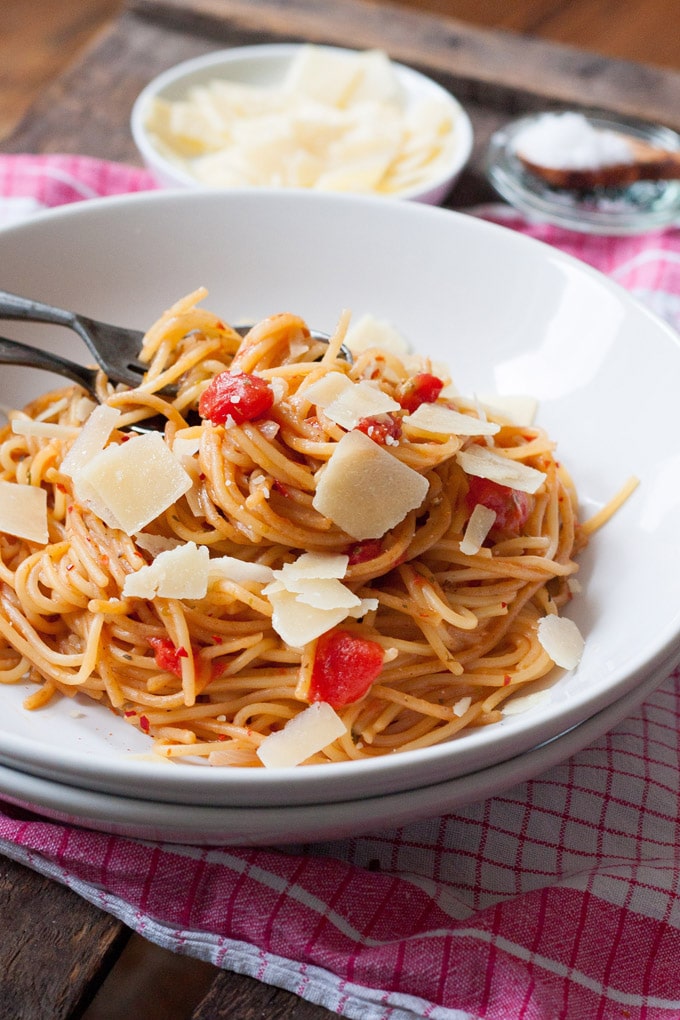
{"x":114,"y":349}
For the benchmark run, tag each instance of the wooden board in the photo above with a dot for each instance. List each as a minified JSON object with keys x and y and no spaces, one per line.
{"x":497,"y":75}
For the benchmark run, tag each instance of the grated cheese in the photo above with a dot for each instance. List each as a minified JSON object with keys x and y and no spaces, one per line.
{"x":365,"y":490}
{"x":304,"y":735}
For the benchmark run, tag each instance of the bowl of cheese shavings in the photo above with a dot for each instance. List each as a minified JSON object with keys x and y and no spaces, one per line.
{"x":302,"y":116}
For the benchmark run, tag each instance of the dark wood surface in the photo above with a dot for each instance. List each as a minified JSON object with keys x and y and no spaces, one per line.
{"x":57,"y":950}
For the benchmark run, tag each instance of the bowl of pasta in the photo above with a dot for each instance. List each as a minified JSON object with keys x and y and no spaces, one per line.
{"x":302,"y":116}
{"x":377,"y":518}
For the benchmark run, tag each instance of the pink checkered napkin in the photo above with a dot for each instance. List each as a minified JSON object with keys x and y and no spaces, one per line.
{"x":557,"y":900}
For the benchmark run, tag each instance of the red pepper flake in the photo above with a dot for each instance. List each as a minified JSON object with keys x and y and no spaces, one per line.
{"x":281,"y":488}
{"x":129,"y":712}
{"x":507,"y":679}
{"x":221,"y":736}
{"x":240,"y":397}
{"x":217,"y":639}
{"x":144,"y":723}
{"x":61,"y":487}
{"x":167,"y":656}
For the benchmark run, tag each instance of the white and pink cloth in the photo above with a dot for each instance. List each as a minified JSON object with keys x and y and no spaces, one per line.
{"x":558,"y":899}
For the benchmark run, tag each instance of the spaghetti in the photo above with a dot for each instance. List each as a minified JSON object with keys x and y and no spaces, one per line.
{"x":441,"y":627}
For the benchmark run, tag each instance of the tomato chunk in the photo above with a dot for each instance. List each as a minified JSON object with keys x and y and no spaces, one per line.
{"x":345,"y":666}
{"x":167,"y":656}
{"x":511,"y":506}
{"x":240,"y":396}
{"x":422,"y":388}
{"x":385,"y":430}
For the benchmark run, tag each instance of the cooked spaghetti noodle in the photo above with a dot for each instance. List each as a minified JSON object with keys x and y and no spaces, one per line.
{"x":209,"y":677}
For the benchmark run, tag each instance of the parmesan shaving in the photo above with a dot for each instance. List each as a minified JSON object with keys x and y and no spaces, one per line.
{"x":92,"y":439}
{"x":304,"y":735}
{"x":308,"y":598}
{"x":443,"y":422}
{"x":230,"y":568}
{"x":23,"y":511}
{"x":365,"y":490}
{"x":180,"y":573}
{"x":561,"y":639}
{"x":478,"y":527}
{"x":369,"y":332}
{"x":486,"y":463}
{"x":111,"y":482}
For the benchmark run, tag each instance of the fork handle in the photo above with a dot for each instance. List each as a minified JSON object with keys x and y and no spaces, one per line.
{"x":14,"y":307}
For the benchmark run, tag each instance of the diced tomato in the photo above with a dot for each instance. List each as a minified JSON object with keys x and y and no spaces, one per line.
{"x":422,"y":388}
{"x":361,"y":552}
{"x":381,"y":430}
{"x":345,"y":666}
{"x":167,"y":656}
{"x":241,"y":397}
{"x":511,"y":506}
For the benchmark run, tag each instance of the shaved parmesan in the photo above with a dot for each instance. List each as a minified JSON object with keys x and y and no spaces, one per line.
{"x":517,"y":408}
{"x":298,"y":623}
{"x":357,"y":401}
{"x":365,"y":490}
{"x":180,"y":573}
{"x":478,"y":527}
{"x":443,"y":422}
{"x":325,"y":390}
{"x":304,"y":735}
{"x":23,"y":511}
{"x":369,"y":332}
{"x":155,"y":544}
{"x":561,"y":639}
{"x":461,"y":706}
{"x":486,"y":463}
{"x":524,"y":702}
{"x":313,"y":565}
{"x":92,"y":439}
{"x":43,"y":429}
{"x":230,"y":568}
{"x":131,"y":484}
{"x":308,"y":598}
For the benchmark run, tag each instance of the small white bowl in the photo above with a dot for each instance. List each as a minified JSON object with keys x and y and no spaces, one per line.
{"x":267,"y":66}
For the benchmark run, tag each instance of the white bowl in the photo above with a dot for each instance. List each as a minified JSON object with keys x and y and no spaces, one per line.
{"x":506,"y":312}
{"x":267,"y":65}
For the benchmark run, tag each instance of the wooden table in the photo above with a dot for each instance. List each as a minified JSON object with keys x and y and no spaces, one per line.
{"x":56,"y":949}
